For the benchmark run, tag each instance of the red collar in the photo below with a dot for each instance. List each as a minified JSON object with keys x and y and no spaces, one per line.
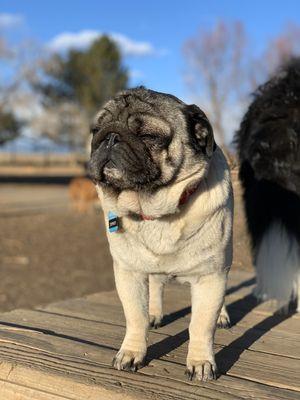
{"x":183,"y":199}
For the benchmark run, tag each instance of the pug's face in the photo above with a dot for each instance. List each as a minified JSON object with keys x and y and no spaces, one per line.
{"x":143,"y":140}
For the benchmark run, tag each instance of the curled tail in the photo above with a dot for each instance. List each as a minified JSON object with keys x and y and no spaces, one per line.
{"x":278,"y":265}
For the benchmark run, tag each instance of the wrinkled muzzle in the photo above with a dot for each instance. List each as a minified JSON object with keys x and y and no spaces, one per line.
{"x":123,"y":164}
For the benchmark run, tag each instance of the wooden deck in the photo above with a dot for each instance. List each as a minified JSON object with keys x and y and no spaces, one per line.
{"x":64,"y":351}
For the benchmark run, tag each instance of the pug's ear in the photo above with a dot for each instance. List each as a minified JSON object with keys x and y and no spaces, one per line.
{"x":201,"y":131}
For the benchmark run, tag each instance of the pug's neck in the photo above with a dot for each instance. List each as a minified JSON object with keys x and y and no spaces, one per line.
{"x":149,"y":206}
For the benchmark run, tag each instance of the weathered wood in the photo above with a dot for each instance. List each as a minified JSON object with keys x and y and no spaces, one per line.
{"x":275,"y":329}
{"x":258,"y":326}
{"x":18,"y":382}
{"x":64,"y":351}
{"x":163,"y":378}
{"x":110,"y":336}
{"x":223,"y":337}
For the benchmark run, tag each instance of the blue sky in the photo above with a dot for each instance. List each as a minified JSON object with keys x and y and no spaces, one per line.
{"x":152,"y":33}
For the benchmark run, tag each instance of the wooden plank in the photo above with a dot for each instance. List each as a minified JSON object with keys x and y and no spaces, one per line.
{"x":162,"y":379}
{"x":255,"y":338}
{"x":100,"y":373}
{"x":271,"y":329}
{"x":269,"y":342}
{"x":74,"y":341}
{"x":21,"y":383}
{"x":11,"y":391}
{"x":273,"y":369}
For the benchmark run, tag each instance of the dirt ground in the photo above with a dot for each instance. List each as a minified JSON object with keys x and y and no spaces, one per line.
{"x":49,"y":252}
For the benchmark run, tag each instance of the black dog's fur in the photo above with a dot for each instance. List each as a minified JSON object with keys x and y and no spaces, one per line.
{"x":268,"y":149}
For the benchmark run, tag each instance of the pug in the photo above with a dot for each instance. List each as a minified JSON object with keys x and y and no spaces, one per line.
{"x":166,"y":194}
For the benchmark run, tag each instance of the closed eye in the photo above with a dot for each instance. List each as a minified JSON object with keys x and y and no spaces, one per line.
{"x":94,"y":129}
{"x":148,"y":136}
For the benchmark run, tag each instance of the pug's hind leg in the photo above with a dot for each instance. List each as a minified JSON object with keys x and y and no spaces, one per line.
{"x":156,"y":287}
{"x":207,"y":300}
{"x":223,"y":319}
{"x":133,"y":290}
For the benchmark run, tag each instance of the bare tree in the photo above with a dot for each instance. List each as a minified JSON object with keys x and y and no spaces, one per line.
{"x":218,"y":69}
{"x":281,"y":48}
{"x":222,"y":70}
{"x":64,"y":123}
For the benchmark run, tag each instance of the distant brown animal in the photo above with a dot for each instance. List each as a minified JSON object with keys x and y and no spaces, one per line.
{"x":82,"y":194}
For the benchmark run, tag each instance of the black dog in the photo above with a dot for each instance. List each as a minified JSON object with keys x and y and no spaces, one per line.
{"x":268,"y":148}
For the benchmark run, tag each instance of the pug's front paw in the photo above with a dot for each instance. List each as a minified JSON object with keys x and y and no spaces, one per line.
{"x":128,"y":360}
{"x":201,"y":370}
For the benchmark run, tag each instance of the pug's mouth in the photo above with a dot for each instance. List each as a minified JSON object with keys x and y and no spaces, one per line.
{"x":112,"y":171}
{"x":109,"y":164}
{"x":109,"y":171}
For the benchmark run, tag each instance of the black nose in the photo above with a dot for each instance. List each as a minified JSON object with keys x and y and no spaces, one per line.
{"x":112,"y":139}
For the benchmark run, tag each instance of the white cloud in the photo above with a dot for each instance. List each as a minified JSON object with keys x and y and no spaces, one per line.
{"x":136,"y":74}
{"x":131,"y":47}
{"x":82,"y":39}
{"x":68,"y":40}
{"x":10,"y":20}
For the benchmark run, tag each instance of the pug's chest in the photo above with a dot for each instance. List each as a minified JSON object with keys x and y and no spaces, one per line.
{"x":158,"y":237}
{"x":168,"y":247}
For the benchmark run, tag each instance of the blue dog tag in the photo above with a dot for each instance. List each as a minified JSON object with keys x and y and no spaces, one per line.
{"x":113,"y":222}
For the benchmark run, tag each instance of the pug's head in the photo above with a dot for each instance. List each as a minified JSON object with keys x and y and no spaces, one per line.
{"x":143,"y":140}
